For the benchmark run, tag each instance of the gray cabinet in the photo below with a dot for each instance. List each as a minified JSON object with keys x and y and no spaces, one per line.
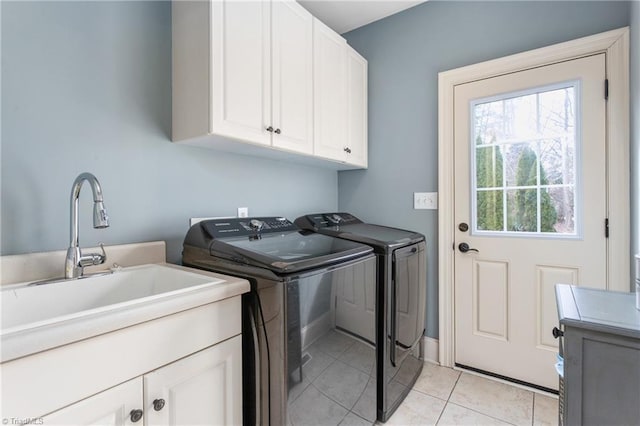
{"x":601,"y":350}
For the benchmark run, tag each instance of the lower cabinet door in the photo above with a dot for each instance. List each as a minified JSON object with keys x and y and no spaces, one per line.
{"x":120,"y":405}
{"x":204,"y":388}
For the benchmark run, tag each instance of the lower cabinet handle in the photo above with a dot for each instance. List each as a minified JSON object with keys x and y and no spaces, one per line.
{"x":277,"y":131}
{"x":136,"y":415}
{"x":158,"y":404}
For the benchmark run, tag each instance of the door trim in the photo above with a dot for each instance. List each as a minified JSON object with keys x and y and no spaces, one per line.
{"x":615,"y":45}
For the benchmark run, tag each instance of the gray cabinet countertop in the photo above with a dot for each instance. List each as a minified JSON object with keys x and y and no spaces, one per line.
{"x":598,"y":310}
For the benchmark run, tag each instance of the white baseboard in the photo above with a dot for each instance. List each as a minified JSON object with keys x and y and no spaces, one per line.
{"x":315,"y":329}
{"x":430,"y":348}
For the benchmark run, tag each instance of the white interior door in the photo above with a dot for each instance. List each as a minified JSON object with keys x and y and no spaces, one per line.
{"x":355,"y":300}
{"x":530,"y":203}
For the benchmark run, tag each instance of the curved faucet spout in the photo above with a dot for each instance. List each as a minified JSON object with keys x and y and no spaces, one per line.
{"x":74,"y":262}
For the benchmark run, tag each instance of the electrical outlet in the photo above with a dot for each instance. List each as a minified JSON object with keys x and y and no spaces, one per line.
{"x":243,"y":211}
{"x":425,"y":200}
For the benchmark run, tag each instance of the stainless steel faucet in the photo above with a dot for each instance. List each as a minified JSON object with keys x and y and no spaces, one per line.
{"x":76,"y":261}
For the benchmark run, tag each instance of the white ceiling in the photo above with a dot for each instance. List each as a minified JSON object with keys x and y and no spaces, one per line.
{"x":346,"y":15}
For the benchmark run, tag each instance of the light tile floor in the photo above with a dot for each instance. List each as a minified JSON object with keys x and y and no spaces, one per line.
{"x":444,"y":396}
{"x":338,"y":389}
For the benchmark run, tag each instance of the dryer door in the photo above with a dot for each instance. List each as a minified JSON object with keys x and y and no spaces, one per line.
{"x":409,"y":276}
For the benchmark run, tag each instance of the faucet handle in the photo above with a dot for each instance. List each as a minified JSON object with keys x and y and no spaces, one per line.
{"x":90,"y":259}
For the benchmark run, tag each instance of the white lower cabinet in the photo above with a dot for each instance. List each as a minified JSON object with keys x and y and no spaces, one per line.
{"x":111,"y":407}
{"x":179,"y":369}
{"x":204,"y":389}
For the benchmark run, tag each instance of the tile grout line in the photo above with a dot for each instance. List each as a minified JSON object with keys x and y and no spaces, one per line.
{"x":476,"y":411}
{"x":454,"y":386}
{"x":533,"y":409}
{"x":448,"y":397}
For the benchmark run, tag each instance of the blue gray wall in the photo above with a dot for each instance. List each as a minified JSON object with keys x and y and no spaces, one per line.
{"x":635,"y":129}
{"x":405,"y":53}
{"x":86,"y":86}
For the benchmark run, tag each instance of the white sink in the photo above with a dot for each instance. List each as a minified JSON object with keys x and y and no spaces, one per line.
{"x":37,"y":317}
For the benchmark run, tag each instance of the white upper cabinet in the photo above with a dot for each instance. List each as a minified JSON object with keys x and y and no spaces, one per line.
{"x":266,"y":78}
{"x":340,"y":98}
{"x":240,"y":90}
{"x":357,"y":109}
{"x":242,"y":70}
{"x":330,"y":92}
{"x":292,"y":78}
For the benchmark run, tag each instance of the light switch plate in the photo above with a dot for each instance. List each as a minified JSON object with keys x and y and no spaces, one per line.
{"x":425,"y":200}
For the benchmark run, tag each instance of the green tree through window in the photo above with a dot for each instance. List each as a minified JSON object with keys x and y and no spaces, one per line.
{"x":526,"y":200}
{"x":489,"y":175}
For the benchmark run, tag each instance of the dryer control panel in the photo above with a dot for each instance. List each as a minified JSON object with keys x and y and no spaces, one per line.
{"x":326,"y":220}
{"x":247,"y":226}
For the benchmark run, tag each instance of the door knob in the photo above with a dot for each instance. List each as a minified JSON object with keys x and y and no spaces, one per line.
{"x":557,"y":332}
{"x":269,"y":129}
{"x":277,"y":131}
{"x":464,"y":247}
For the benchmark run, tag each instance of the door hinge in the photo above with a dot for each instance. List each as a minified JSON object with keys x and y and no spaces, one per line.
{"x":606,"y":89}
{"x":606,"y":228}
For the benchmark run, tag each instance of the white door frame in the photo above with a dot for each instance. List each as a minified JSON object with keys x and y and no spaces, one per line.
{"x":615,"y":44}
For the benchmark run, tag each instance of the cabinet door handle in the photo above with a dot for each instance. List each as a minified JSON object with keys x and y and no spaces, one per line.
{"x":136,"y":415}
{"x":269,"y":129}
{"x":347,"y":150}
{"x":158,"y":404}
{"x":277,"y":131}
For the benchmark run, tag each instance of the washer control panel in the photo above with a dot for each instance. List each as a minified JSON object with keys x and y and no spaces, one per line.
{"x":246,"y":226}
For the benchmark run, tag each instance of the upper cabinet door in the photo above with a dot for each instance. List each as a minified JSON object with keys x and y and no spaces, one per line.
{"x":330,"y":92}
{"x":292,"y":78}
{"x":240,"y":90}
{"x":357,"y":108}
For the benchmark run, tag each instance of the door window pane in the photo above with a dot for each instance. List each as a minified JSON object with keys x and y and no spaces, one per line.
{"x":490,"y":210}
{"x":524,"y":150}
